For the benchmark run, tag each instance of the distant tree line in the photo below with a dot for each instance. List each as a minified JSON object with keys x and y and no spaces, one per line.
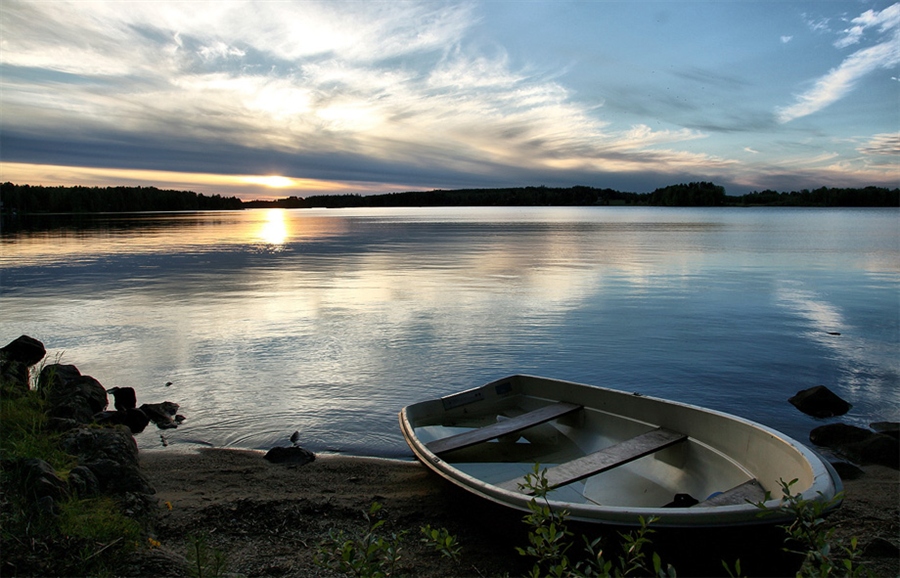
{"x":695,"y":194}
{"x":39,"y":199}
{"x":826,"y":197}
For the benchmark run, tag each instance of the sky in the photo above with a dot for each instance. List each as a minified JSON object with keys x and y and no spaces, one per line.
{"x":277,"y":98}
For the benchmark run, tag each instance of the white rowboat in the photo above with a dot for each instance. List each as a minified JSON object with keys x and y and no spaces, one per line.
{"x":613,"y":456}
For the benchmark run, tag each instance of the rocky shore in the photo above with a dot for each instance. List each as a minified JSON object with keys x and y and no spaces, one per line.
{"x":267,"y":514}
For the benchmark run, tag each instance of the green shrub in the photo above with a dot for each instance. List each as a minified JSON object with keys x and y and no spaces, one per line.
{"x":366,"y":555}
{"x":809,"y":536}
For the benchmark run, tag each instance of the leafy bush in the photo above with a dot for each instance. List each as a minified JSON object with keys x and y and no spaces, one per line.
{"x":366,"y":555}
{"x":808,"y":535}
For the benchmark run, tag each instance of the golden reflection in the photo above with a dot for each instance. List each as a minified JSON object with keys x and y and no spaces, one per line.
{"x":275,"y":230}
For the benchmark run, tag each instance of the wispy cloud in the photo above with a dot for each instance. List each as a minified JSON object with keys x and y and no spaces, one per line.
{"x":393,"y":82}
{"x":840,"y":81}
{"x":882,"y":144}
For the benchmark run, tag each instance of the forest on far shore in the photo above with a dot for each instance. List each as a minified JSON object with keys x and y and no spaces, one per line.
{"x":29,"y":199}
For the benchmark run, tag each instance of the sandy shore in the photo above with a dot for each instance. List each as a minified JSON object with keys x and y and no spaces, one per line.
{"x":270,"y":518}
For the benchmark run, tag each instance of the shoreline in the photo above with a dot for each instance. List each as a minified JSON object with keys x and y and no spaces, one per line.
{"x":270,"y":518}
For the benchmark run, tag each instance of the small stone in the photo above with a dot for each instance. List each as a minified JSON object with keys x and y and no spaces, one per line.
{"x":290,"y":455}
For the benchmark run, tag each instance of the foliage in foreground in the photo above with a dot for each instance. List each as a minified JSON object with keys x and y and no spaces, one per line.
{"x":371,"y":555}
{"x":809,"y":536}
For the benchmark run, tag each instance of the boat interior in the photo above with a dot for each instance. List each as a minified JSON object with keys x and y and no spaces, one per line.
{"x":591,"y":456}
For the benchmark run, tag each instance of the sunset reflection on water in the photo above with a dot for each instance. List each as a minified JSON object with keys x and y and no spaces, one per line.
{"x":275,"y":230}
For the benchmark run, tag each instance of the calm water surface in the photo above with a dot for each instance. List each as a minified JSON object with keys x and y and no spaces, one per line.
{"x":329,"y":321}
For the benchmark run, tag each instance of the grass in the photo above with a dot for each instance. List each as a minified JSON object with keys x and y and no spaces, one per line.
{"x":76,"y":536}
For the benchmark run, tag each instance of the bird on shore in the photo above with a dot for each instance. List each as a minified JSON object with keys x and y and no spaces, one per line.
{"x":295,"y":437}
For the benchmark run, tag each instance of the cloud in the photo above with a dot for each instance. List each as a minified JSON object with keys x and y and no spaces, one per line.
{"x":882,"y":144}
{"x":840,"y":81}
{"x":313,"y":88}
{"x":786,"y":39}
{"x":885,"y":20}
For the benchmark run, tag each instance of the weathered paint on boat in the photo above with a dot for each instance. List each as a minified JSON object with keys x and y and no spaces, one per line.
{"x":649,"y":453}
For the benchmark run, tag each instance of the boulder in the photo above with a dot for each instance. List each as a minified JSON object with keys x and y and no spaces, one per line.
{"x":819,"y":401}
{"x":890,"y":428}
{"x":134,"y":419}
{"x":83,"y":483}
{"x":56,"y":374}
{"x":876,"y":449}
{"x":124,"y":397}
{"x":290,"y":455}
{"x":108,"y":443}
{"x":162,"y":414}
{"x":40,"y":480}
{"x":858,"y":444}
{"x":880,"y":547}
{"x":118,"y":478}
{"x":836,"y":435}
{"x":24,"y":349}
{"x":847,"y":471}
{"x":78,"y":399}
{"x":14,"y":377}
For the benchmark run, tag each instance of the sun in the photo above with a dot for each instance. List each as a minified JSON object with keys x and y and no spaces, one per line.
{"x":272,"y":181}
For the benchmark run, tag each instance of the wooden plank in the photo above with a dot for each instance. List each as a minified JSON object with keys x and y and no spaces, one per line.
{"x":605,"y":459}
{"x":749,"y":491}
{"x":501,"y":428}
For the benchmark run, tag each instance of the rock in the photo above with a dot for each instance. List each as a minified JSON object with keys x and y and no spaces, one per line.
{"x":92,"y":443}
{"x":46,"y":506}
{"x":83,"y":483}
{"x":78,"y":399}
{"x":41,"y":481}
{"x":858,"y":444}
{"x":876,"y":449}
{"x":155,"y":562}
{"x":847,"y":471}
{"x":118,"y":478}
{"x":838,"y":434}
{"x":819,"y":401}
{"x":290,"y":455}
{"x":24,"y":349}
{"x":56,"y":374}
{"x":61,"y":424}
{"x":134,"y":419}
{"x":125,"y":398}
{"x":891,"y":428}
{"x":162,"y":414}
{"x":71,"y":395}
{"x":881,"y":548}
{"x":14,"y":377}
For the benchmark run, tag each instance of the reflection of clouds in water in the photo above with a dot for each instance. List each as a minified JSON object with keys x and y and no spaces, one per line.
{"x":863,"y":363}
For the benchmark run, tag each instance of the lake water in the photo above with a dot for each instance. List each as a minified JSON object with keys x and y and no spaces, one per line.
{"x":329,"y":321}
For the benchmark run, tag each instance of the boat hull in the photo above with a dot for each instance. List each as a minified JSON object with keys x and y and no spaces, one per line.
{"x":617,"y":456}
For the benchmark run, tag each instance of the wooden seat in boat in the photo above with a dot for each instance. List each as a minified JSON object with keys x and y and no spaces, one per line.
{"x":505,"y":427}
{"x":749,"y":491}
{"x":605,"y":459}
